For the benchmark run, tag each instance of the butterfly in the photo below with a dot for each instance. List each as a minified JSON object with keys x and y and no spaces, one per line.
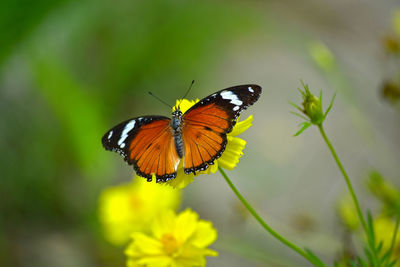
{"x":157,"y":144}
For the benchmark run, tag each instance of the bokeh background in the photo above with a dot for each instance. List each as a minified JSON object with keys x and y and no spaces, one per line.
{"x":70,"y":70}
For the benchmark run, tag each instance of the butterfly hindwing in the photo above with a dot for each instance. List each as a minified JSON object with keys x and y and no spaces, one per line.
{"x":147,"y":143}
{"x":208,"y":121}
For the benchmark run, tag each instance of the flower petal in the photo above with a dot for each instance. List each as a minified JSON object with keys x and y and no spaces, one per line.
{"x":241,"y":126}
{"x":232,"y":153}
{"x":164,"y":223}
{"x":185,"y":225}
{"x":182,"y":179}
{"x":159,"y":261}
{"x":184,"y":104}
{"x":205,"y":234}
{"x":194,"y":256}
{"x":144,"y":245}
{"x":213,"y":168}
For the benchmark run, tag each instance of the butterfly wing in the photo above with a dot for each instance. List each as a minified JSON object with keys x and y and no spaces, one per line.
{"x":206,"y":124}
{"x":147,"y":143}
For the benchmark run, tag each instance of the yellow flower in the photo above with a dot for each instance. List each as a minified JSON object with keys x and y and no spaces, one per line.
{"x":229,"y":158}
{"x":347,"y":212}
{"x":384,"y":229}
{"x":132,"y":206}
{"x":177,"y":240}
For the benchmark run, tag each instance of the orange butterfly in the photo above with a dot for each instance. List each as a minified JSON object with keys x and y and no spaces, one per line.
{"x":156,"y":144}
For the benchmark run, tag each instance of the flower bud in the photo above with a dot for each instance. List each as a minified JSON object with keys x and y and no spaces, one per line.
{"x":312,"y":107}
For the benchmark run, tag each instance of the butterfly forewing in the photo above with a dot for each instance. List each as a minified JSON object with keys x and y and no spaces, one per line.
{"x":147,"y":143}
{"x":208,"y":121}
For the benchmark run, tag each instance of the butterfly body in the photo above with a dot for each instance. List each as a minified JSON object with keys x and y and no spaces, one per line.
{"x":176,"y":125}
{"x":155,"y":145}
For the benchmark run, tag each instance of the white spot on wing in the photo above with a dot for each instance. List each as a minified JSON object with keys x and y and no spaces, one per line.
{"x":110,"y":134}
{"x":235,"y":108}
{"x":125,"y":132}
{"x":229,"y":95}
{"x":250,"y":90}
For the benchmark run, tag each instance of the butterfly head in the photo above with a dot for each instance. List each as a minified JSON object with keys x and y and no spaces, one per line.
{"x":176,"y":119}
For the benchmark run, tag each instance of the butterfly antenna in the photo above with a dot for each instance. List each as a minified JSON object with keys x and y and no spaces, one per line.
{"x":159,"y":99}
{"x":187,"y":92}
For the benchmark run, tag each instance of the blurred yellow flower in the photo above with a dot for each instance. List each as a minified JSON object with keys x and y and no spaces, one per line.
{"x":177,"y":240}
{"x":132,"y":206}
{"x":347,"y":212}
{"x":384,"y":228}
{"x":229,"y":158}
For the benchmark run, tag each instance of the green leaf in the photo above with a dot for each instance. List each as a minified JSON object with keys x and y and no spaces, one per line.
{"x":391,"y":264}
{"x":362,"y":262}
{"x":385,"y":257}
{"x":330,"y":106}
{"x":299,"y":115}
{"x":371,"y":232}
{"x":305,"y":126}
{"x":368,"y":254}
{"x":303,"y":93}
{"x":379,"y":247}
{"x":295,"y":106}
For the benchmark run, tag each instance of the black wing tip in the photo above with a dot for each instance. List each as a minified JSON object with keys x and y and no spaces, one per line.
{"x":245,"y":86}
{"x":257,"y":88}
{"x":106,"y":142}
{"x":109,"y":147}
{"x":254,"y":86}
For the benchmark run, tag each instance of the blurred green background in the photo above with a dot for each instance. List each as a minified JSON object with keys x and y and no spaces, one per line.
{"x":70,"y":70}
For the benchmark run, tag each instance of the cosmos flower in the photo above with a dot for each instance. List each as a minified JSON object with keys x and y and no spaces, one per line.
{"x":176,"y":240}
{"x":131,"y":207}
{"x":229,"y":158}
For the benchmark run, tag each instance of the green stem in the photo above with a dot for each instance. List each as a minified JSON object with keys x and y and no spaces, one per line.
{"x":346,"y":178}
{"x":264,"y":224}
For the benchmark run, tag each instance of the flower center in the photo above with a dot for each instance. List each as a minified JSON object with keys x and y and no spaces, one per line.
{"x":170,"y":243}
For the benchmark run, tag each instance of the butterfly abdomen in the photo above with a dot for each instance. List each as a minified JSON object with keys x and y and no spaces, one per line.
{"x":176,"y":124}
{"x":178,"y":143}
